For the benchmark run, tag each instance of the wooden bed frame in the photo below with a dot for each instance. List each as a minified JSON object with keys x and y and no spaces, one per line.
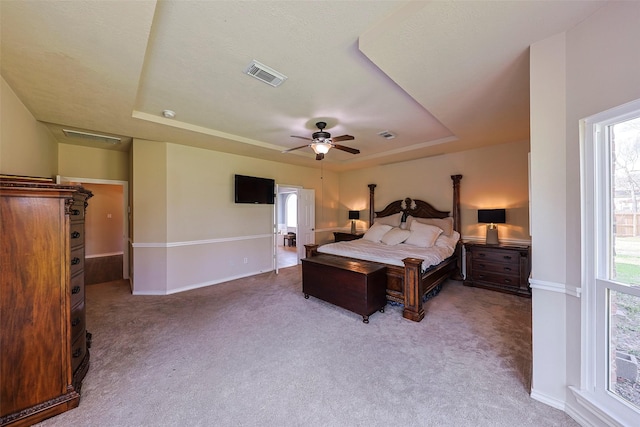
{"x":408,"y":285}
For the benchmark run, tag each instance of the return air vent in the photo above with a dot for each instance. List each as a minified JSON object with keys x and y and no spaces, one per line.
{"x":386,"y":134}
{"x":265,"y":74}
{"x":92,"y":136}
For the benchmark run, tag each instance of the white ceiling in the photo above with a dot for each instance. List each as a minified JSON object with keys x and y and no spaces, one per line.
{"x":443,"y":76}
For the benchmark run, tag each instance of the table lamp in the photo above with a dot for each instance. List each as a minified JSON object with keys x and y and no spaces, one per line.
{"x":492,"y":217}
{"x":353,"y":215}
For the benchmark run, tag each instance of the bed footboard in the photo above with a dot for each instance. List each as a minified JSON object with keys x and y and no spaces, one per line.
{"x":408,"y":285}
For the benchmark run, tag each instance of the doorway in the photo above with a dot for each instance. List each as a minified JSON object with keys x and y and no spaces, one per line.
{"x":107,"y":228}
{"x":287,"y":226}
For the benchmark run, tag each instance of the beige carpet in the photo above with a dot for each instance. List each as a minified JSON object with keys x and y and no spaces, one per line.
{"x":254,"y":352}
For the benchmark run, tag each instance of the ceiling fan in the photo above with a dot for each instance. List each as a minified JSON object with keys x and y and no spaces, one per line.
{"x":321,"y":142}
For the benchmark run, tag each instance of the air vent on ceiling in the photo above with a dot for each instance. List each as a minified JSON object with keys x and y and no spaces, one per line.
{"x":386,"y":134}
{"x":265,"y":74}
{"x":92,"y":136}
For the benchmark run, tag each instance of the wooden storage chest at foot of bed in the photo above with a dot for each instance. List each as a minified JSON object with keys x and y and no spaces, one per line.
{"x":358,"y":286}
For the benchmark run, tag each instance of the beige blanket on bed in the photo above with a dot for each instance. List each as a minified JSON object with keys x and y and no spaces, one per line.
{"x":393,"y":255}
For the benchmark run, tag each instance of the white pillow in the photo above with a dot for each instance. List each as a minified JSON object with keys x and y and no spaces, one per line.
{"x":423,"y":235}
{"x":392,"y":220}
{"x":376,"y":231}
{"x":446,"y":224}
{"x":395,"y":236}
{"x":448,"y":242}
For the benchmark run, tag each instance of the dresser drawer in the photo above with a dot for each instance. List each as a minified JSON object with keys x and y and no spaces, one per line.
{"x":77,"y":289}
{"x":496,"y":256}
{"x":77,"y":211}
{"x":76,"y":236}
{"x":77,"y":261}
{"x":496,"y":279}
{"x":78,"y":351}
{"x":77,"y":321}
{"x":494,"y":267}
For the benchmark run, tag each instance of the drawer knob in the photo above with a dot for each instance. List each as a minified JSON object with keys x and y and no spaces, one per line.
{"x":77,"y":352}
{"x":507,"y":280}
{"x":481,"y":265}
{"x":507,"y":269}
{"x":507,"y":257}
{"x":75,"y":235}
{"x":75,"y":290}
{"x":481,"y":254}
{"x":75,"y":261}
{"x":481,"y":276}
{"x":75,"y":322}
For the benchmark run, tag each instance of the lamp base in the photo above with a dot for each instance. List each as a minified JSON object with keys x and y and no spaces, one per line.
{"x":353,"y":227}
{"x":492,"y":235}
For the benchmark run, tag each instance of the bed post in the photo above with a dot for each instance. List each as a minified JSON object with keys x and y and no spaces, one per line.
{"x":456,"y":201}
{"x":413,"y":309}
{"x":372,"y":190}
{"x":457,"y":274}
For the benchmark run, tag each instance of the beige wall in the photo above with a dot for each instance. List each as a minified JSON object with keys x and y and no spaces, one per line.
{"x":103,"y":221}
{"x":186,"y":221}
{"x":590,"y":69}
{"x":26,"y":145}
{"x":90,"y":162}
{"x":493,"y":177}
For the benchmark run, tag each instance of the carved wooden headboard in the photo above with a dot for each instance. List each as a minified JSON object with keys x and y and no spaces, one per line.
{"x":417,"y":208}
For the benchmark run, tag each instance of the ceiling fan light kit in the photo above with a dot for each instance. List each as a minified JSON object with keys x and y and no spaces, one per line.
{"x":321,"y":147}
{"x":321,"y":142}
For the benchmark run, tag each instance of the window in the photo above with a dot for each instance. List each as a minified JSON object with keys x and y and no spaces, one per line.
{"x":611,"y":262}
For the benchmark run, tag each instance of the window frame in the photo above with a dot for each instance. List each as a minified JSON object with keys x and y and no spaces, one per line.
{"x":595,"y":170}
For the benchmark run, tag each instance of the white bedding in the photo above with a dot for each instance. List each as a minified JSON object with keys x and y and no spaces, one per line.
{"x":393,"y":255}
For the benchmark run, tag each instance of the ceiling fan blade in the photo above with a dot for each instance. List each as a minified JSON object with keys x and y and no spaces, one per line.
{"x":342,"y":138}
{"x":347,"y":149}
{"x":319,"y":156}
{"x":301,"y":137}
{"x":296,"y":148}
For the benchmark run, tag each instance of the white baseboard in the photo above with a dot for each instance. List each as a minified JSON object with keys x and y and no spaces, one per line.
{"x":104,"y":255}
{"x":197,"y":285}
{"x":548,"y":400}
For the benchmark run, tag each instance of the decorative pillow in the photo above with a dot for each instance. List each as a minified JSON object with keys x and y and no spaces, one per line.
{"x":395,"y":236}
{"x":423,"y":235}
{"x":376,"y":231}
{"x":445,"y":224}
{"x":392,"y":220}
{"x":448,"y":242}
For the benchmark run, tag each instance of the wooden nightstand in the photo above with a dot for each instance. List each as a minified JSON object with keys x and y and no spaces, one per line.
{"x":343,"y":237}
{"x":503,"y":268}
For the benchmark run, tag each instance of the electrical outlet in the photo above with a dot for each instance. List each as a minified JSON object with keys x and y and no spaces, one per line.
{"x":246,"y":260}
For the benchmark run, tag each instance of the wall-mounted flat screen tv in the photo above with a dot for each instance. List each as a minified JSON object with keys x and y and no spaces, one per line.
{"x":251,"y":189}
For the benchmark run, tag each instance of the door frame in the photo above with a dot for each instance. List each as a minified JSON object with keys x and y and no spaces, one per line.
{"x":126,"y":239}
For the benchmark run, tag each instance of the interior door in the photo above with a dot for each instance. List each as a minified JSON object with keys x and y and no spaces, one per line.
{"x":275,"y":230}
{"x":306,"y":220}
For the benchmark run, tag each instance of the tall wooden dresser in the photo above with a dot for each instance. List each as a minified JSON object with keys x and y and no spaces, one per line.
{"x":43,"y":341}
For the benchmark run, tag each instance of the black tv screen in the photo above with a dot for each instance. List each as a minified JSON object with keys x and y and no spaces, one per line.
{"x":251,"y":189}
